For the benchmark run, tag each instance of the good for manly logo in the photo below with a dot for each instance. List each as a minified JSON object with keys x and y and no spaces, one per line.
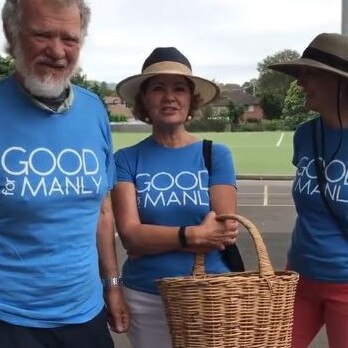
{"x":165,"y":189}
{"x":336,"y":179}
{"x":44,"y":172}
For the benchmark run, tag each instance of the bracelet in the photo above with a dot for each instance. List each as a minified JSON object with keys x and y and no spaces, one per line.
{"x":111,"y":282}
{"x":182,"y":236}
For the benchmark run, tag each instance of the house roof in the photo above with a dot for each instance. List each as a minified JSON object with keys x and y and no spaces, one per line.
{"x":238,"y":96}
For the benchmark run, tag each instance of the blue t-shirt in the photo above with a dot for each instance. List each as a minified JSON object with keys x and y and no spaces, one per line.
{"x":319,"y":249}
{"x":172,"y":190}
{"x":55,"y":169}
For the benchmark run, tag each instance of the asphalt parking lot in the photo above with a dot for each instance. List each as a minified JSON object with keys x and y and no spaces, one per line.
{"x":268,"y":204}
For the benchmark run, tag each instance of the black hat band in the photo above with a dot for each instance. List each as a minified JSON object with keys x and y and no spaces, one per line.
{"x":326,"y":58}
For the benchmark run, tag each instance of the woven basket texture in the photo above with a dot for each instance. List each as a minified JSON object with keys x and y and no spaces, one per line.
{"x":242,"y":310}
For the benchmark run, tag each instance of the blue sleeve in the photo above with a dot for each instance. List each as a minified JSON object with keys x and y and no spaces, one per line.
{"x":123,"y":166}
{"x":110,"y":164}
{"x":223,"y":171}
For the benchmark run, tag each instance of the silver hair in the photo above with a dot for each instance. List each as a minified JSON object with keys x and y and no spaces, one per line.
{"x":11,"y":18}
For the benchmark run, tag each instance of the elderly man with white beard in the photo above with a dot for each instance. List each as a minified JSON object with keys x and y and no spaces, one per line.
{"x":59,"y":280}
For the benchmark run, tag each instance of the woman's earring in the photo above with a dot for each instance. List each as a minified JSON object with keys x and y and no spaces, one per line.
{"x":147,"y":119}
{"x":189,"y":118}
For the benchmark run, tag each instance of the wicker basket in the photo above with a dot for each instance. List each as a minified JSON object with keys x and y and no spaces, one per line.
{"x":247,"y":309}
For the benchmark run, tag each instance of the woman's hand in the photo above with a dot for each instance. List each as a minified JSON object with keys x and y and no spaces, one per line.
{"x":211,"y":234}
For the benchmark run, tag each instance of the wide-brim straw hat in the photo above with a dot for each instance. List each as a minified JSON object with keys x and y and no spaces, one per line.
{"x":328,"y":52}
{"x":166,"y":60}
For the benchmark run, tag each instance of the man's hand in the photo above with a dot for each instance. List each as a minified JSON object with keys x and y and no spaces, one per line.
{"x":118,"y":315}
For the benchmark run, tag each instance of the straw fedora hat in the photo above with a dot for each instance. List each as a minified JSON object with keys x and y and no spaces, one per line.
{"x":166,"y":60}
{"x":328,"y":52}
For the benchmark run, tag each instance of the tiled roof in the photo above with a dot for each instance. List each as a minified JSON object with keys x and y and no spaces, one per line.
{"x":238,"y":96}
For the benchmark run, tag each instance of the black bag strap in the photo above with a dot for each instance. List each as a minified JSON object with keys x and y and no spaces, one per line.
{"x":207,"y":145}
{"x":231,"y":255}
{"x":321,"y":180}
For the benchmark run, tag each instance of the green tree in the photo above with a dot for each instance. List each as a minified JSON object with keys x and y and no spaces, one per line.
{"x":7,"y":66}
{"x":100,"y":88}
{"x":80,"y":79}
{"x":272,"y":86}
{"x":272,"y":105}
{"x":104,"y":89}
{"x":270,"y":80}
{"x":294,"y":100}
{"x":250,"y":86}
{"x":294,"y":111}
{"x":233,"y":113}
{"x":207,"y":112}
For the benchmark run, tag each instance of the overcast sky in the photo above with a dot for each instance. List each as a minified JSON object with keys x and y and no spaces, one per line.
{"x":223,"y":39}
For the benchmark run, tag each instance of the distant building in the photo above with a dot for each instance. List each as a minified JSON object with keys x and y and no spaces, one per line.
{"x":116,"y":106}
{"x":251,"y":104}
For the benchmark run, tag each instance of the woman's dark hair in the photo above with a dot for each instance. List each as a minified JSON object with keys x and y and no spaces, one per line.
{"x":141,"y":114}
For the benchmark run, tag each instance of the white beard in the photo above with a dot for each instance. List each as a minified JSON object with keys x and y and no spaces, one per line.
{"x":47,"y":88}
{"x":41,"y":86}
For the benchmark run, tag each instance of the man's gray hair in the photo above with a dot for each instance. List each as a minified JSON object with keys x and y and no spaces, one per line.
{"x":11,"y":18}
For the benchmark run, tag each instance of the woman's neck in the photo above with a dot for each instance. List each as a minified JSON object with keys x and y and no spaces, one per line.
{"x":173,"y":138}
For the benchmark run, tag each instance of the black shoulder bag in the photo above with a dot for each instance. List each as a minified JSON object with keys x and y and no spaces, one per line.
{"x":231,"y":255}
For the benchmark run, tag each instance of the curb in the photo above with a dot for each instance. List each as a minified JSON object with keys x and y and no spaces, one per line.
{"x":264,"y":177}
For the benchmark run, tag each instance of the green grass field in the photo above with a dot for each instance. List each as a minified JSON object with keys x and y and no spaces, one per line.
{"x":256,"y":153}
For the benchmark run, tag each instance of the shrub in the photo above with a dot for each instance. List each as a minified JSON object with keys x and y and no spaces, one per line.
{"x":273,"y":125}
{"x":291,"y":122}
{"x":204,"y":125}
{"x":251,"y":127}
{"x":118,"y":118}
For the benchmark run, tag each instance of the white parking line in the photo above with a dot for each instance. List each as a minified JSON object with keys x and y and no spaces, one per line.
{"x":280,"y":140}
{"x":265,"y":195}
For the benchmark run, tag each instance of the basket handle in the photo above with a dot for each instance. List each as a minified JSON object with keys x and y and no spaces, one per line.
{"x":265,"y":267}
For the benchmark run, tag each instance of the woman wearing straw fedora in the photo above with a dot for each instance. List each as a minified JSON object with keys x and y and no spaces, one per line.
{"x":164,"y":193}
{"x":319,"y":248}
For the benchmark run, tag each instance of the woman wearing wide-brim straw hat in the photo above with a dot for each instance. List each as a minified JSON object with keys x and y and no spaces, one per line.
{"x":164,"y":196}
{"x":319,"y":247}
